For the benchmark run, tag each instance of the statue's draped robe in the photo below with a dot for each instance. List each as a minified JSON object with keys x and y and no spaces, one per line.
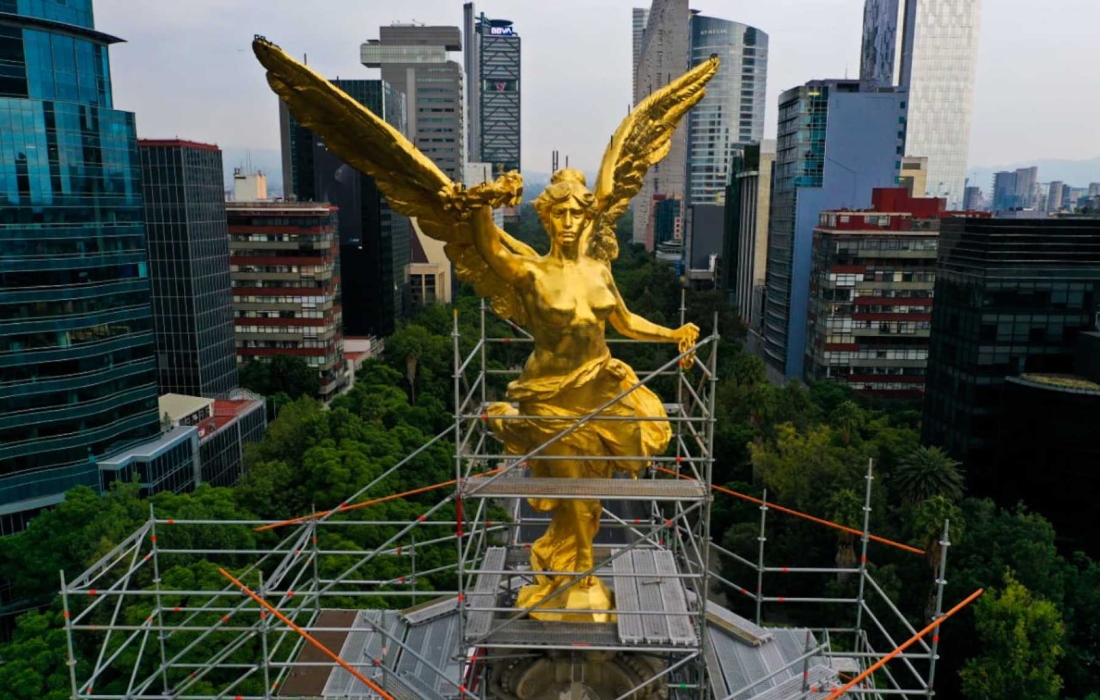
{"x":570,"y":397}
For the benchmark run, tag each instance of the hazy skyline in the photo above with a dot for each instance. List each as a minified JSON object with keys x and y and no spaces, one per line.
{"x":187,"y":69}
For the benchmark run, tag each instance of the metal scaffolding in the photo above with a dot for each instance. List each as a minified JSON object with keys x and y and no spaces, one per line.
{"x":299,"y":617}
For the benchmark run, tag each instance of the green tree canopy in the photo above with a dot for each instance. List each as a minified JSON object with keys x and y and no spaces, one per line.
{"x":283,"y":374}
{"x":1020,"y":638}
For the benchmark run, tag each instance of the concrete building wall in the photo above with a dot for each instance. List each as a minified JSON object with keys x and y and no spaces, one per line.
{"x":664,"y":56}
{"x":752,"y":259}
{"x":639,"y":16}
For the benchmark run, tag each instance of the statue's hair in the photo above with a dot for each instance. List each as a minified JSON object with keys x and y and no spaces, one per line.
{"x":564,"y":185}
{"x":569,"y":183}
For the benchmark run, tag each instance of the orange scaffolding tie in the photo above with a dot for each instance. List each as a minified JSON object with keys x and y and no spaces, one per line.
{"x":800,"y":514}
{"x":307,"y":636}
{"x":373,"y":502}
{"x":905,"y":645}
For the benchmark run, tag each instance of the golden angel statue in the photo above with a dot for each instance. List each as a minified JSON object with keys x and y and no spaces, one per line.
{"x":563,"y":299}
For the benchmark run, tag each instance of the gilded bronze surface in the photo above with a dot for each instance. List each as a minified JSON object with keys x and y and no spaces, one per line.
{"x":563,"y":298}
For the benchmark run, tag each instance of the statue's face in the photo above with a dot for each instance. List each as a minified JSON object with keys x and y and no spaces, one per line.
{"x":567,"y":221}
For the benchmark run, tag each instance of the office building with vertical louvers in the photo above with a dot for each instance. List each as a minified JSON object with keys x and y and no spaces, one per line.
{"x":184,"y":192}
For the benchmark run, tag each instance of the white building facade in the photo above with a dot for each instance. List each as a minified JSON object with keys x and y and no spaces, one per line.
{"x":930,"y":48}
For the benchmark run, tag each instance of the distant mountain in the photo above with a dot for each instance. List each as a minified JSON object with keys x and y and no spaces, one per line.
{"x":1078,"y":173}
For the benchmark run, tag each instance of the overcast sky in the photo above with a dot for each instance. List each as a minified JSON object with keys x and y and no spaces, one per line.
{"x":187,"y":69}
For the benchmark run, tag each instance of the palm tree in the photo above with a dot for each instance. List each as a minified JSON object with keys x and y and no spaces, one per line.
{"x":849,"y":418}
{"x":846,"y":508}
{"x":927,"y":521}
{"x":928,"y":472}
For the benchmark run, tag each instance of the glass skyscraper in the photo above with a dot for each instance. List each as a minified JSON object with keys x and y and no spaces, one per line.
{"x":836,"y":143}
{"x":78,"y":373}
{"x":189,"y":267}
{"x":375,"y":247}
{"x":732,"y":114}
{"x":930,"y":48}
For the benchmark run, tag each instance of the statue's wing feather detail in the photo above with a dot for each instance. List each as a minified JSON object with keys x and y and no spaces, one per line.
{"x":642,"y":140}
{"x":406,"y":176}
{"x":413,"y":185}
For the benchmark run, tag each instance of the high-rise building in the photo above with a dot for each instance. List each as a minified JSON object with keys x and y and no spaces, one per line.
{"x":1094,"y":190}
{"x":836,"y":142}
{"x":1027,"y":183}
{"x":78,"y":377}
{"x":664,"y":56}
{"x":871,"y":294}
{"x":973,"y":200}
{"x":413,"y":59}
{"x":639,"y":17}
{"x":375,"y":242}
{"x":749,"y":208}
{"x":731,"y":115}
{"x":1055,"y":194}
{"x":284,"y":263}
{"x":1012,"y":295}
{"x":184,"y":191}
{"x":930,"y":49}
{"x":1076,"y":197}
{"x":1004,"y":191}
{"x":492,"y":55}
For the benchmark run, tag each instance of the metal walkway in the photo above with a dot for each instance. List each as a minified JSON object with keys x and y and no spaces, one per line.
{"x":622,"y":489}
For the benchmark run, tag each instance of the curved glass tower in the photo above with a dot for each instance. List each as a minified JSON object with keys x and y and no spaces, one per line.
{"x":77,"y":365}
{"x":732,"y":114}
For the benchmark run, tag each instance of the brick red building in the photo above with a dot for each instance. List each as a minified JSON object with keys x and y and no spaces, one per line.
{"x":871,"y":294}
{"x":284,"y":264}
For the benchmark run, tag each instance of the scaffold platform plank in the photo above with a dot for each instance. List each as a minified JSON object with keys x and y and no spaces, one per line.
{"x":735,"y":665}
{"x":437,"y":607}
{"x":647,"y":581}
{"x":535,"y":633}
{"x":626,"y":598}
{"x":623,"y":489}
{"x":741,"y":628}
{"x":397,"y":688}
{"x":680,"y":629}
{"x":820,"y":677}
{"x":485,"y":591}
{"x":366,"y":648}
{"x":437,"y":643}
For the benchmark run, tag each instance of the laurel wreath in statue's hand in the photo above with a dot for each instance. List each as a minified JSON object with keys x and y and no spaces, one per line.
{"x":505,"y":191}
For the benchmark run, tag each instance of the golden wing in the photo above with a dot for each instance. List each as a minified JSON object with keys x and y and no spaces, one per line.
{"x":641,"y":141}
{"x":411,"y":182}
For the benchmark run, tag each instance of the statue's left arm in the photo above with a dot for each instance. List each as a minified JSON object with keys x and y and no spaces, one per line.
{"x":634,"y":326}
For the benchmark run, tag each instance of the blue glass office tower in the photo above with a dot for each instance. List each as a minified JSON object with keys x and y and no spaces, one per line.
{"x":837,"y":141}
{"x":77,"y":366}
